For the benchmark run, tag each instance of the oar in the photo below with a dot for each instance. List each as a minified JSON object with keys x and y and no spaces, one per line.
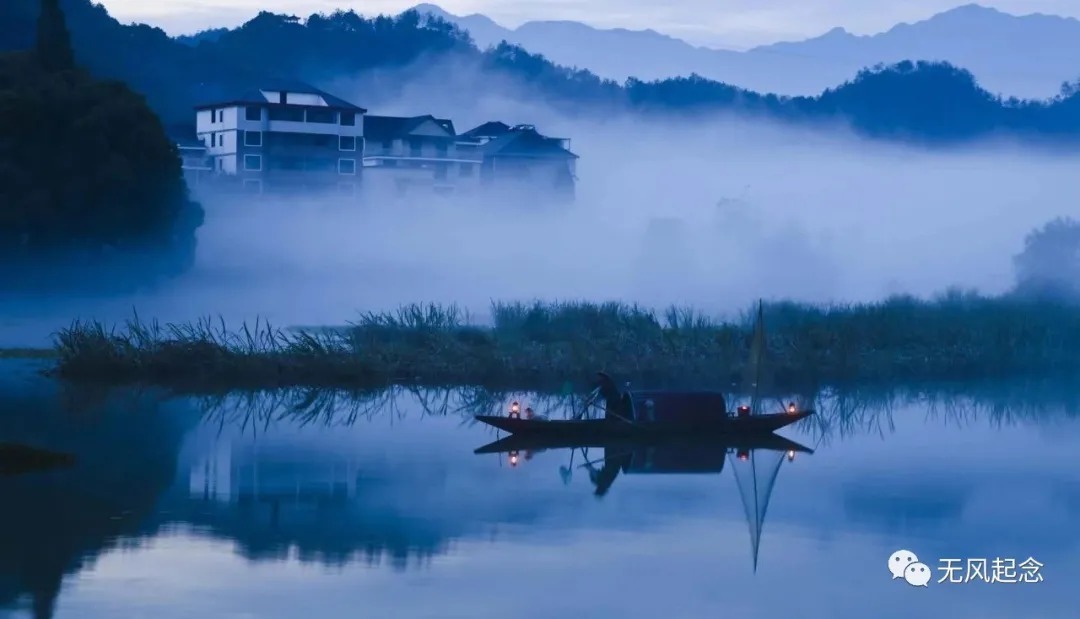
{"x":567,"y":472}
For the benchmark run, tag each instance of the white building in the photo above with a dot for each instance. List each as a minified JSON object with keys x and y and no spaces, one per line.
{"x":520,"y":159}
{"x":403,"y":155}
{"x":291,"y":136}
{"x":284,"y":136}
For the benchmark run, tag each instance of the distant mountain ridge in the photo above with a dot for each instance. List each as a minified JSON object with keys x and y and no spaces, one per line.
{"x":383,"y":60}
{"x":1024,"y":56}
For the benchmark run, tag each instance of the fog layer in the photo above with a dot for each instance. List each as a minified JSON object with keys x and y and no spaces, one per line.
{"x":709,"y":214}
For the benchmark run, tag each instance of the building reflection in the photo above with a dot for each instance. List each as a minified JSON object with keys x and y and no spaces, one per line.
{"x":248,"y":473}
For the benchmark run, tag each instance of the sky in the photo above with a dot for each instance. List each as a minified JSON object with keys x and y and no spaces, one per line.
{"x":718,"y":23}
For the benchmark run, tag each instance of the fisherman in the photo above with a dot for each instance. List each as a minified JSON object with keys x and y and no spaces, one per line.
{"x":650,"y":410}
{"x":528,"y":412}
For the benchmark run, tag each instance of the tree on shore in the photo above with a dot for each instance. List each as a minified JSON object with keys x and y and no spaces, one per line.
{"x":87,"y":167}
{"x":54,"y":50}
{"x":1049,"y":264}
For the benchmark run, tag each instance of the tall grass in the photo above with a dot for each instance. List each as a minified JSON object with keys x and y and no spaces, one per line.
{"x":537,"y":345}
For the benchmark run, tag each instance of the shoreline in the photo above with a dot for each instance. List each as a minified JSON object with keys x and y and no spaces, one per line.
{"x":543,"y":345}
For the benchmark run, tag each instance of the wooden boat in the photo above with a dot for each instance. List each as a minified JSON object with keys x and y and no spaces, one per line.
{"x":674,"y":420}
{"x":539,"y":442}
{"x":633,"y":413}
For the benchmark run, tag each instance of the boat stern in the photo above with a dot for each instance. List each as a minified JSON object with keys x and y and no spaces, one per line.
{"x":506,"y":424}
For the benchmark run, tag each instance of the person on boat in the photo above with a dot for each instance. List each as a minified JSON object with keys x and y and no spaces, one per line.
{"x":613,"y":399}
{"x":528,"y":412}
{"x":603,"y":479}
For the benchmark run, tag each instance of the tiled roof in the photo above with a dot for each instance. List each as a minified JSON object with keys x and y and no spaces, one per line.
{"x":252,"y":95}
{"x":393,"y":127}
{"x":487,"y":130}
{"x":525,"y":143}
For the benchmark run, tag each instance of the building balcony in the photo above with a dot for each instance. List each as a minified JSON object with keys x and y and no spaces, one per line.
{"x":408,"y":161}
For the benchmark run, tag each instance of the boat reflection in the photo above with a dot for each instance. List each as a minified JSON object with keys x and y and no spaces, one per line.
{"x":755,"y":460}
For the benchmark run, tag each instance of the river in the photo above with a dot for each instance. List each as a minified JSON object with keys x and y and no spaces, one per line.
{"x":330,"y":505}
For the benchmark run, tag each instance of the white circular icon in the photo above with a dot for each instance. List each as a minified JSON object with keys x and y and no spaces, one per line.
{"x":917,"y":574}
{"x":899,"y":561}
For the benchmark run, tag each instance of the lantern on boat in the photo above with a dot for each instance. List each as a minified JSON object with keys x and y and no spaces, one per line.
{"x":513,"y":458}
{"x":790,"y":456}
{"x":744,"y":411}
{"x":515,"y":409}
{"x":791,"y":408}
{"x":744,"y":454}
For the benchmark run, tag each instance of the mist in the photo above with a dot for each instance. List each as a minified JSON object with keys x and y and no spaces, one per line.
{"x":712,"y":214}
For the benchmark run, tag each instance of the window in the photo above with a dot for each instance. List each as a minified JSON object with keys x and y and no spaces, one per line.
{"x":466,"y":170}
{"x":346,"y":166}
{"x":287,"y":114}
{"x":253,"y":113}
{"x":346,"y":142}
{"x":321,"y":116}
{"x":253,"y":138}
{"x":415,"y":147}
{"x":253,"y":163}
{"x":348,"y":119}
{"x":221,"y":163}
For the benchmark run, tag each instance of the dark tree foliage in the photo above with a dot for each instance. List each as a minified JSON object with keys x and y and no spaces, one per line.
{"x":88,"y":170}
{"x":53,"y":41}
{"x":327,"y":46}
{"x":1049,"y":264}
{"x":912,"y":99}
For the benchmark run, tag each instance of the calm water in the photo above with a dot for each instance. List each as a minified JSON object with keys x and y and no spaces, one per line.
{"x":276,"y":507}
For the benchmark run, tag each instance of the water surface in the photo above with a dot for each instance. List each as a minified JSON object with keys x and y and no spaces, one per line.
{"x":273,"y":506}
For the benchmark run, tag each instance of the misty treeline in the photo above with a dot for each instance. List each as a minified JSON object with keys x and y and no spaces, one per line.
{"x":88,"y":171}
{"x":1049,"y":264}
{"x":927,"y":101}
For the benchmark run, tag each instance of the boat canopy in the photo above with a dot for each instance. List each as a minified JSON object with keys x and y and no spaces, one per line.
{"x":676,"y":459}
{"x":676,"y":405}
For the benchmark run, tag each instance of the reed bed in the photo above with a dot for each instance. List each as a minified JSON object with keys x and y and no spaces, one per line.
{"x":542,"y":345}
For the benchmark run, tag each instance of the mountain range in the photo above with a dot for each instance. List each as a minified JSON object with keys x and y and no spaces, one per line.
{"x":428,"y":62}
{"x":1026,"y":56}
